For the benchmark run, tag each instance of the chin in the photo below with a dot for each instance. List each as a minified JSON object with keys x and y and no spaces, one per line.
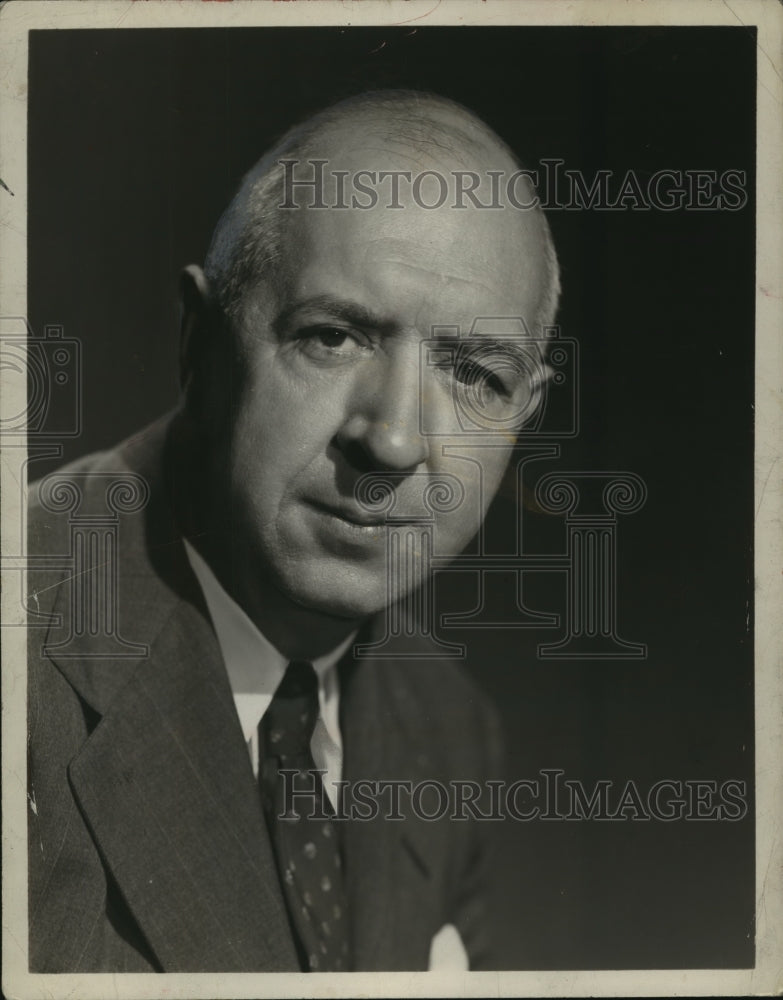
{"x":339,"y":594}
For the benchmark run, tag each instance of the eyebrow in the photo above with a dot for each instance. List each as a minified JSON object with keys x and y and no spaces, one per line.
{"x":358,"y":315}
{"x":344,"y":309}
{"x":520,"y":350}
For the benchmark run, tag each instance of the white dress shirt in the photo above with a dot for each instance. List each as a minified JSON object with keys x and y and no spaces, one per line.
{"x":255,"y":668}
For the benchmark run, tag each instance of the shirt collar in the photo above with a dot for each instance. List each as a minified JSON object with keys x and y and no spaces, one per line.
{"x":254,"y":666}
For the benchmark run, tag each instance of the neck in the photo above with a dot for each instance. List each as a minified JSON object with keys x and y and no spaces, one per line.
{"x":299,"y":633}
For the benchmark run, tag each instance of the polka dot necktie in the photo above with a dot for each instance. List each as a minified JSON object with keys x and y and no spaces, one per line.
{"x":298,"y":815}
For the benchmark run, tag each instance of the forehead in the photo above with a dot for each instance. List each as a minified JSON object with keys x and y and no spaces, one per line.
{"x":491,"y":257}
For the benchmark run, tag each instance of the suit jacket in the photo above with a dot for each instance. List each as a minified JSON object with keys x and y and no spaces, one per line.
{"x":147,"y":843}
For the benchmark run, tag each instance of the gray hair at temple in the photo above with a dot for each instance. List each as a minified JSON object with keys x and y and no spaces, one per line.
{"x":246,"y":241}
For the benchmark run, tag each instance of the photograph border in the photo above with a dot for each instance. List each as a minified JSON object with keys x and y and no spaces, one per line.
{"x":17,"y":19}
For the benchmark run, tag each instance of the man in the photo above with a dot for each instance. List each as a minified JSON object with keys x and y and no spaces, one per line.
{"x":310,"y":434}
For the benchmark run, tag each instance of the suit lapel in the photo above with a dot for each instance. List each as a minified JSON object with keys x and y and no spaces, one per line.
{"x":166,"y":787}
{"x":164,"y":780}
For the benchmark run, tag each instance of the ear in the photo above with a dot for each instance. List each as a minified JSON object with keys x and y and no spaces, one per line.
{"x":197,"y":319}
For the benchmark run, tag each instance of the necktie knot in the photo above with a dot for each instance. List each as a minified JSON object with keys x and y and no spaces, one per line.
{"x":288,"y":723}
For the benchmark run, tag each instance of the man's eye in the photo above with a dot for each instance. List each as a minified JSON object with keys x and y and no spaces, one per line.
{"x":330,"y":342}
{"x":478,"y":377}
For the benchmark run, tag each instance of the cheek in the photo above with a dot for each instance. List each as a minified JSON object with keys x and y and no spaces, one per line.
{"x":278,"y":434}
{"x":260,"y":443}
{"x":264,"y":457}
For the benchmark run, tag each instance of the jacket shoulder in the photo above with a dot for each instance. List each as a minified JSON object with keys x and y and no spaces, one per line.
{"x":81,"y":484}
{"x":97,"y":485}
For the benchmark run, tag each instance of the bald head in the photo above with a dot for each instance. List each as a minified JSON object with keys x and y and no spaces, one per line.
{"x":382,"y":152}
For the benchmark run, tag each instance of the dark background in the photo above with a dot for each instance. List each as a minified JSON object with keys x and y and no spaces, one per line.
{"x":137,"y":140}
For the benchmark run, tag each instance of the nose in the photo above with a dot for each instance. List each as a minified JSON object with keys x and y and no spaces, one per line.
{"x":382,"y":427}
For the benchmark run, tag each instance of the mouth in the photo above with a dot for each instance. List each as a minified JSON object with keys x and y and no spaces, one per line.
{"x":351,"y":517}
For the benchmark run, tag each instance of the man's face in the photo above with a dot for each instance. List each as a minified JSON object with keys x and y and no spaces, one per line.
{"x":331,"y":387}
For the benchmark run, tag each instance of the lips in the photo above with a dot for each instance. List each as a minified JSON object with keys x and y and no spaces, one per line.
{"x":351,"y":514}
